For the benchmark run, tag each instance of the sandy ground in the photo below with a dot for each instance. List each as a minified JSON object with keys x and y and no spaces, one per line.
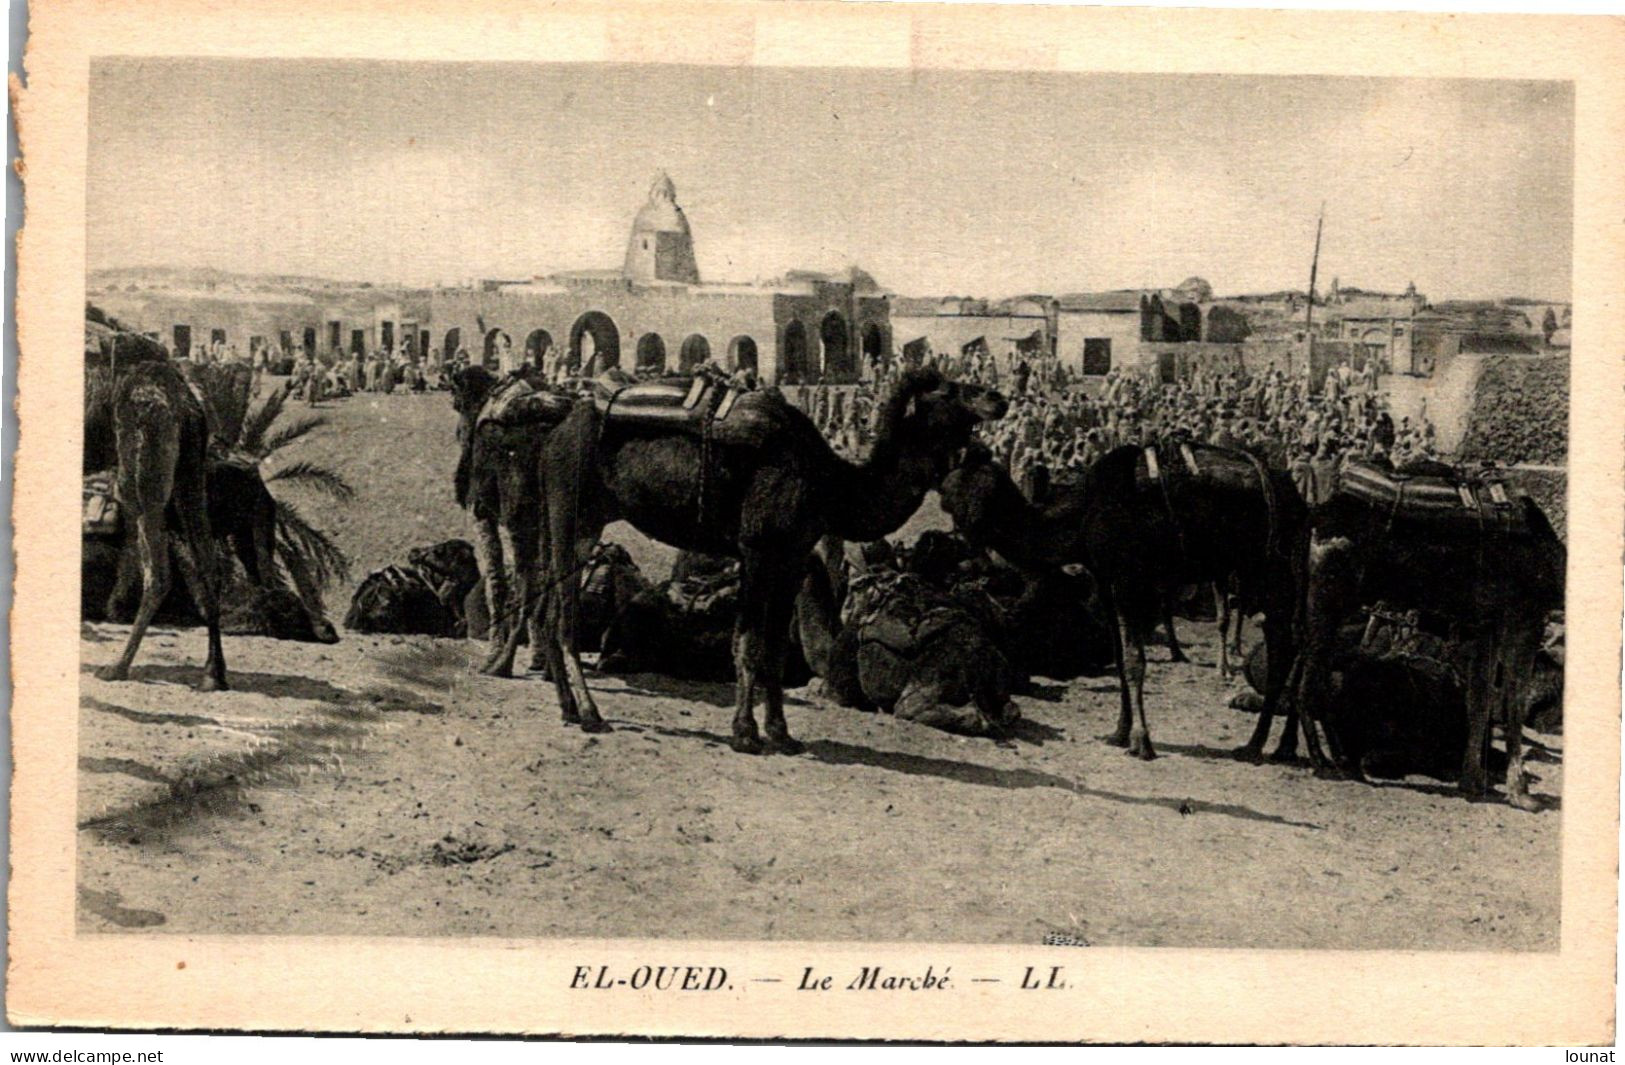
{"x":380,"y":787}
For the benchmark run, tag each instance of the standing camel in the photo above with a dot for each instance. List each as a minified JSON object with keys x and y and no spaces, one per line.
{"x":161,"y":436}
{"x":1191,"y":514}
{"x":496,"y":481}
{"x":1484,"y":566}
{"x":759,"y":484}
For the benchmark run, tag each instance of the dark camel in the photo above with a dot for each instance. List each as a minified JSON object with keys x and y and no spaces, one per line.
{"x":1490,"y":574}
{"x":764,"y":493}
{"x":161,"y":437}
{"x":496,"y":482}
{"x":1143,"y":538}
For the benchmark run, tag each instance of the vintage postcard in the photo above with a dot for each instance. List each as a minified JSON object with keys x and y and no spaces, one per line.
{"x":852,"y":521}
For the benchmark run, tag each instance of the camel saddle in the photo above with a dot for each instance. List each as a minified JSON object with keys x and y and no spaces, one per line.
{"x":101,"y":508}
{"x":686,"y":402}
{"x":1435,"y":499}
{"x":902,"y":612}
{"x":706,"y":595}
{"x":517,"y":401}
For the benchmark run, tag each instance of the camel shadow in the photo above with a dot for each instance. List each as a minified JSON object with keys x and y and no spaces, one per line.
{"x":1029,"y":731}
{"x":715,"y":693}
{"x":837,"y":753}
{"x":1048,"y":693}
{"x":1449,"y":790}
{"x":710,"y":739}
{"x":370,"y":701}
{"x":128,"y":766}
{"x":833,"y":752}
{"x":1198,"y":751}
{"x":143,"y":717}
{"x":275,"y":685}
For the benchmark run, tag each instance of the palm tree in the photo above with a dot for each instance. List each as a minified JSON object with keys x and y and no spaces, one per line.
{"x":261,"y":438}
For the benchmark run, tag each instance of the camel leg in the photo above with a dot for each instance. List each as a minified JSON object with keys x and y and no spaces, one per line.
{"x":549,"y":605}
{"x":1221,"y":606}
{"x":1332,"y":589}
{"x":565,"y":596}
{"x":775,"y":643}
{"x":1238,"y":621}
{"x":154,"y":548}
{"x":753,"y":656}
{"x":493,"y":567}
{"x":1287,"y":749}
{"x":1133,"y":643}
{"x":1481,"y":663}
{"x":1176,"y":653}
{"x":1125,"y":713}
{"x":1522,"y":642}
{"x":515,"y":621}
{"x":1280,"y":666}
{"x":200,"y":566}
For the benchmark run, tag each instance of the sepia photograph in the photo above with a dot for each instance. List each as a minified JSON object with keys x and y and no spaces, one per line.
{"x":724,"y":503}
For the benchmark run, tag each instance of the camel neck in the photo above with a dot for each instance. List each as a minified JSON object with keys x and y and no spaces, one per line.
{"x":1035,"y":537}
{"x":873,"y":499}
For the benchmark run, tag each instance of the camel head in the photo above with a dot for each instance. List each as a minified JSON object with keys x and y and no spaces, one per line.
{"x":978,"y":493}
{"x":469,"y":388}
{"x":934,"y":415}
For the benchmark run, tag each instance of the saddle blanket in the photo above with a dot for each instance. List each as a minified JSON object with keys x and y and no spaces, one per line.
{"x":677,"y":402}
{"x":1430,"y":499}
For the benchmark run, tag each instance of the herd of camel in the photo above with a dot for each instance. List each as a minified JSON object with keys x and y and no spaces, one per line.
{"x":753,"y":479}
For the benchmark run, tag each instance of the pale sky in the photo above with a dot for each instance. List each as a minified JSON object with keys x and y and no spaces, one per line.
{"x":937,"y":183}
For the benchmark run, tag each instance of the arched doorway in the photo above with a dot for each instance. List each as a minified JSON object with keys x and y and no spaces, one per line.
{"x":874,"y":346}
{"x":795,"y":352}
{"x":537,"y":345}
{"x":742,"y":354}
{"x":696,"y":349}
{"x":595,"y":344}
{"x":496,"y":343}
{"x":651,"y":352}
{"x":310,"y":341}
{"x":453,"y":341}
{"x":837,"y":350}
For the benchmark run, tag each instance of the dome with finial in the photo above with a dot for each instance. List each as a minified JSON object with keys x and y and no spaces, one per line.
{"x":661,"y":247}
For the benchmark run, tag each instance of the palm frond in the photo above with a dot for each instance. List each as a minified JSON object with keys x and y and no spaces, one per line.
{"x":287,"y":434}
{"x":317,"y":478}
{"x":325,"y":561}
{"x":258,"y":422}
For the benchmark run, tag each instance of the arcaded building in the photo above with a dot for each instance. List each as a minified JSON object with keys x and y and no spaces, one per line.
{"x":657,"y":312}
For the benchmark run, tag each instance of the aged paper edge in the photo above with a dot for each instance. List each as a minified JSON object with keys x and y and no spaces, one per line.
{"x":467,"y":985}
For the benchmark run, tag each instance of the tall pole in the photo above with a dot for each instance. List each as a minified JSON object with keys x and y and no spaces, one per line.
{"x":1309,"y":313}
{"x":1314,"y":267}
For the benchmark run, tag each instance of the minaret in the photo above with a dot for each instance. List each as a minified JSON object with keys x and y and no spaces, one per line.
{"x":661,"y":248}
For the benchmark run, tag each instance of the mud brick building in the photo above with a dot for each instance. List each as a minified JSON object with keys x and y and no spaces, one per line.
{"x":656,"y":312}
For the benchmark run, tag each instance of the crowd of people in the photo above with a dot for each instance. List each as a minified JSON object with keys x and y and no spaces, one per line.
{"x":1058,"y":419}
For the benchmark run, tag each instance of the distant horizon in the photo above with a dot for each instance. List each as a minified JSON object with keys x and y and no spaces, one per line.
{"x":934,"y":181}
{"x":1218,"y":294}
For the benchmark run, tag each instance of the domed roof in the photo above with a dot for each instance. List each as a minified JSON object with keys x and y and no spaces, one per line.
{"x":661,"y":213}
{"x":661,"y":247}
